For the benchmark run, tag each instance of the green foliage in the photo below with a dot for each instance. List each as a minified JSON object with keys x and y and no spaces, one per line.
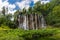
{"x":53,"y":17}
{"x":6,"y":20}
{"x":17,"y":34}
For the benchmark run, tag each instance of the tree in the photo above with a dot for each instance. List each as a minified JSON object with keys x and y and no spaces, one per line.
{"x":3,"y":11}
{"x":53,"y":17}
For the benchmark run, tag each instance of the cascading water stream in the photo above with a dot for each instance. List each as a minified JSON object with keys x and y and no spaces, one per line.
{"x":24,"y":23}
{"x":42,"y":21}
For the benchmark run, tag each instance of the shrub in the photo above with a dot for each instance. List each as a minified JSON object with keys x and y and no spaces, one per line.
{"x":17,"y":34}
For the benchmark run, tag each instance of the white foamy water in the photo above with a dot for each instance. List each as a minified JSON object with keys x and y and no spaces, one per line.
{"x":24,"y":23}
{"x":42,"y":22}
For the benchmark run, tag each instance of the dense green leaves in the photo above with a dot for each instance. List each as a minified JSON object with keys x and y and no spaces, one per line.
{"x":17,"y":34}
{"x":54,"y":16}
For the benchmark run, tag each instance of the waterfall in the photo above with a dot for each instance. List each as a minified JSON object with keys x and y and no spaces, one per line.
{"x":20,"y":23}
{"x":36,"y":21}
{"x":31,"y":21}
{"x":24,"y":23}
{"x":27,"y":22}
{"x":42,"y":21}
